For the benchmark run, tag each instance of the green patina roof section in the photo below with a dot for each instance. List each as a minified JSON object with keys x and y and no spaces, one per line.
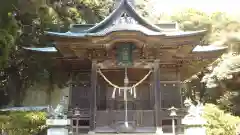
{"x":198,"y":48}
{"x":127,"y":28}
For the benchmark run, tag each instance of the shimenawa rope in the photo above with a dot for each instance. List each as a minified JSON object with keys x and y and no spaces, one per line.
{"x":131,"y":89}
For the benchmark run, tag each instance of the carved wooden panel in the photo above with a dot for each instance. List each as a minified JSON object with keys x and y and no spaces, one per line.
{"x":149,"y":53}
{"x":173,"y":65}
{"x":137,"y":54}
{"x":81,"y":53}
{"x":65,"y":50}
{"x":96,"y":53}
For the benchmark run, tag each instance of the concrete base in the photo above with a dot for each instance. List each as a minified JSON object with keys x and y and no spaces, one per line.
{"x":91,"y":133}
{"x":57,"y":131}
{"x":195,"y":131}
{"x":57,"y":126}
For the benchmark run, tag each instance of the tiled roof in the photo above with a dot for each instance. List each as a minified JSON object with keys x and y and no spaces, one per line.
{"x":208,"y":48}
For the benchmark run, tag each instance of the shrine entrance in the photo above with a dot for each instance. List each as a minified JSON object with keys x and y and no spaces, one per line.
{"x":133,"y":71}
{"x":129,"y":107}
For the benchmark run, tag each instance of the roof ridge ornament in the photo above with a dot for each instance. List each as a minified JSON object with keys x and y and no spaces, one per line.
{"x":119,"y":2}
{"x":131,"y":2}
{"x":125,"y":19}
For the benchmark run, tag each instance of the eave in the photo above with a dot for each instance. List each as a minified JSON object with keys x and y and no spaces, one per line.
{"x":41,"y":49}
{"x":122,"y":29}
{"x":198,"y":60}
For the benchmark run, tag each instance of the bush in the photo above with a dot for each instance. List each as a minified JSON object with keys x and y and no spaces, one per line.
{"x":22,"y":123}
{"x":219,"y":122}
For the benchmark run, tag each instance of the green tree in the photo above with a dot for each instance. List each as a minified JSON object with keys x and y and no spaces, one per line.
{"x":23,"y":23}
{"x":221,"y":79}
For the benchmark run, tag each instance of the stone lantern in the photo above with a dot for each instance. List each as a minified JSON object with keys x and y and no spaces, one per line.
{"x":173,"y":114}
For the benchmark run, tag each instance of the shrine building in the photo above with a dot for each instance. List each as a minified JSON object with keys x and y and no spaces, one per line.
{"x":128,"y":71}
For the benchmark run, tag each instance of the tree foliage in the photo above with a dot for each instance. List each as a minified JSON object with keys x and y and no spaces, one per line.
{"x":22,"y":23}
{"x":22,"y":123}
{"x":221,"y":78}
{"x":219,"y":122}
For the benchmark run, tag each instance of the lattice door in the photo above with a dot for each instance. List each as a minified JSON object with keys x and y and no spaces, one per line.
{"x":81,"y":110}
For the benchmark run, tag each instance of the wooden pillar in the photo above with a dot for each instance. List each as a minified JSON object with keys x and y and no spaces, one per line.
{"x":157,"y":93}
{"x":180,"y":93}
{"x":70,"y":106}
{"x":93,"y":106}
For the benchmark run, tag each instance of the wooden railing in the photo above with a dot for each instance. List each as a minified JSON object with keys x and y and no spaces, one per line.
{"x":141,"y":118}
{"x":80,"y":120}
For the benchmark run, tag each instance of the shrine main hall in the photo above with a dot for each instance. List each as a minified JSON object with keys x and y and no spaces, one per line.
{"x":127,"y":71}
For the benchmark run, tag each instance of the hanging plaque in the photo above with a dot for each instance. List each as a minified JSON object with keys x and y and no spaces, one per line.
{"x":124,"y":54}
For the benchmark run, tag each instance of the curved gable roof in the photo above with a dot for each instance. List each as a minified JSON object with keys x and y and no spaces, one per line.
{"x":124,"y":7}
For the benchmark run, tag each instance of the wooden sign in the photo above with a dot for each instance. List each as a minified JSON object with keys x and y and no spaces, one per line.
{"x":124,"y":54}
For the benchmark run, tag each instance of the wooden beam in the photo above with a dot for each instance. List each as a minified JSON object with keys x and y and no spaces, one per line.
{"x":70,"y":90}
{"x":157,"y":93}
{"x":93,"y":106}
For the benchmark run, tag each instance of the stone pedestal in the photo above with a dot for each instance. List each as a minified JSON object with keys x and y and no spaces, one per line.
{"x":194,"y":125}
{"x":58,"y":126}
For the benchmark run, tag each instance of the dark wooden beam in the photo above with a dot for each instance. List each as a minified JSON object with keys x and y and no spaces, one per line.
{"x":93,"y":107}
{"x":157,"y":93}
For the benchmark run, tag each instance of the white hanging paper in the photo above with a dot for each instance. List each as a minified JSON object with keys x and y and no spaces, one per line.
{"x":114,"y":92}
{"x":131,"y":91}
{"x":134,"y":92}
{"x":119,"y":92}
{"x":125,"y":94}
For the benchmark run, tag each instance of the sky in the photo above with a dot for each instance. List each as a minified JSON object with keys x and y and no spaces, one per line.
{"x":209,"y":6}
